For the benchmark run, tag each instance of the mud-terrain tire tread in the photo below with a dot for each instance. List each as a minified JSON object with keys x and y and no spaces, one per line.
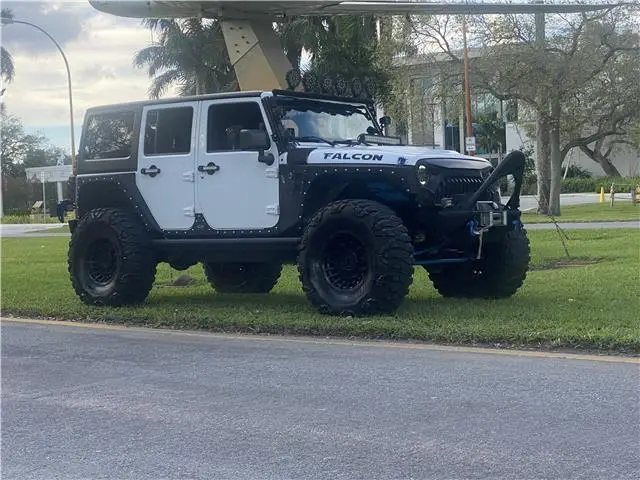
{"x":504,"y":271}
{"x":138,"y":266}
{"x":393,"y":257}
{"x":259,"y":278}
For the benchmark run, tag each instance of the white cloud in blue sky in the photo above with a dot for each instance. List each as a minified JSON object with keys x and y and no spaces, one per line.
{"x":100,"y":50}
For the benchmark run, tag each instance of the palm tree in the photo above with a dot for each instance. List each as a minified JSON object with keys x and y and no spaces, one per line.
{"x":190,"y":54}
{"x":346,"y":45}
{"x":6,"y":60}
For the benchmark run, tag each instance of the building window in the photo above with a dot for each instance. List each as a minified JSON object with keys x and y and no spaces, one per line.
{"x":511,"y":110}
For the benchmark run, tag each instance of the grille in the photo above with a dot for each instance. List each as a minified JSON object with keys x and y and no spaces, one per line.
{"x":453,"y":186}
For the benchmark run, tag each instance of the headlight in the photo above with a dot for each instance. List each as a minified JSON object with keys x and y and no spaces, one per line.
{"x":423,"y":176}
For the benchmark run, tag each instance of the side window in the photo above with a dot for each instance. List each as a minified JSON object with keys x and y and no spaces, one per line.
{"x":167,"y":131}
{"x":224,"y":122}
{"x":108,"y":135}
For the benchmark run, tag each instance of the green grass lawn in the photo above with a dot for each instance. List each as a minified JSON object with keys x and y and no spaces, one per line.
{"x":590,"y":307}
{"x":622,"y":210}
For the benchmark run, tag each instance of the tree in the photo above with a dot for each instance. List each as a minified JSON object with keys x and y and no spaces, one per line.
{"x":489,"y":130}
{"x":16,"y":145}
{"x":6,"y":60}
{"x":579,"y":79}
{"x":20,"y":150}
{"x":603,"y":112}
{"x":342,"y":44}
{"x":190,"y":54}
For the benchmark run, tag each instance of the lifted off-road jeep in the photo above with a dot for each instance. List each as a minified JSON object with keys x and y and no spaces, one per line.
{"x":247,"y":182}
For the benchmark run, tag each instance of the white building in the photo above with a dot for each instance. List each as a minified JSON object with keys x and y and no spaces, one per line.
{"x":440,"y":122}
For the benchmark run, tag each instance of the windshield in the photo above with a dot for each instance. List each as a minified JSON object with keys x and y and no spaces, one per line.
{"x":329,"y":121}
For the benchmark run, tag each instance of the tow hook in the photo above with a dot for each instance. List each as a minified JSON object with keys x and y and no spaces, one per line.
{"x":478,"y":232}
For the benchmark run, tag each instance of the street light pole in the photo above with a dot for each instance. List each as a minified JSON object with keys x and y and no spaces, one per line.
{"x":9,"y":21}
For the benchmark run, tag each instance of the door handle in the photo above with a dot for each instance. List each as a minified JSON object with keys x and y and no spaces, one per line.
{"x":210,"y":168}
{"x":152,"y":171}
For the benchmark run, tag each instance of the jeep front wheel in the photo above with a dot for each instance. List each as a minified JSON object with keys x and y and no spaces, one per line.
{"x":499,"y":274}
{"x":355,"y":258}
{"x":243,"y":277}
{"x":110,"y":261}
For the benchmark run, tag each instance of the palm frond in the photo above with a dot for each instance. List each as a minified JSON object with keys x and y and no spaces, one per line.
{"x":162,"y":82}
{"x":6,"y":65}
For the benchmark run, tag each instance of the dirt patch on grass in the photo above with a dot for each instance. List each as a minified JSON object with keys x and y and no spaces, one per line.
{"x":181,"y":281}
{"x":566,"y":263}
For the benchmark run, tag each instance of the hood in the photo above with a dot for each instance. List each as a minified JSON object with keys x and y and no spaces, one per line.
{"x":393,"y":155}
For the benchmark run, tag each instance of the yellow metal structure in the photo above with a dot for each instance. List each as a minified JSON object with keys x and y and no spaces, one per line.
{"x":256,"y":54}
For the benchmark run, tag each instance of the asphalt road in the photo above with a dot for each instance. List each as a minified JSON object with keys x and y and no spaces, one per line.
{"x":85,"y":403}
{"x":528,"y":202}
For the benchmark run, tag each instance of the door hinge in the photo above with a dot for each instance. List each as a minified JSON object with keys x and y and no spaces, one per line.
{"x":271,"y":172}
{"x":189,"y":211}
{"x":189,"y":176}
{"x":273,"y":209}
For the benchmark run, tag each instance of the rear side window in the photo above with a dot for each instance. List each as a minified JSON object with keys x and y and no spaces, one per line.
{"x":168,"y":131}
{"x":109,"y":135}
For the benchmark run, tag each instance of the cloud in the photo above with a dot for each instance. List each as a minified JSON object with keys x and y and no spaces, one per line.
{"x":62,"y":20}
{"x":100,"y":53}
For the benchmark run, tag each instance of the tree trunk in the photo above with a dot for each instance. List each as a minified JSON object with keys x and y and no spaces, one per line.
{"x":543,"y":162}
{"x":556,"y":157}
{"x":606,"y":164}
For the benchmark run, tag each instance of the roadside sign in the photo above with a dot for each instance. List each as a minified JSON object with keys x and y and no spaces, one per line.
{"x":53,"y":174}
{"x":470,"y":144}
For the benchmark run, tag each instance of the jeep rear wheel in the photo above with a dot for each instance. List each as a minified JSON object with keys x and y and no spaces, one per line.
{"x":242,"y":277}
{"x":355,"y":258}
{"x":110,"y":261}
{"x":499,"y":274}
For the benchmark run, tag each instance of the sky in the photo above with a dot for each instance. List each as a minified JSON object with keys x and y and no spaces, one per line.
{"x":99,"y":48}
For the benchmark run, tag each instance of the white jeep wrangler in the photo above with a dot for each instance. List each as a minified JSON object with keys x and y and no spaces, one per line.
{"x":247,"y":182}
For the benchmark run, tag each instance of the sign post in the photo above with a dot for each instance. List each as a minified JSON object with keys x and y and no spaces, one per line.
{"x":44,"y":198}
{"x":470,"y":144}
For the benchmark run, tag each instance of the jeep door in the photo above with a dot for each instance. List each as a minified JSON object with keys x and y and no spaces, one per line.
{"x":166,"y":160}
{"x":234,"y":190}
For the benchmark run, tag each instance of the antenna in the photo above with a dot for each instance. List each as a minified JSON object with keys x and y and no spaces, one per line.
{"x":254,"y":49}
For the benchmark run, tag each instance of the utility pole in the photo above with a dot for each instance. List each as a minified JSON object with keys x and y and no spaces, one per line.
{"x":467,"y":88}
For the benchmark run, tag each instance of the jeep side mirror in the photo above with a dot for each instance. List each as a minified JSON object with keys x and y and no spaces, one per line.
{"x":254,"y":140}
{"x":385,"y":121}
{"x":257,"y":140}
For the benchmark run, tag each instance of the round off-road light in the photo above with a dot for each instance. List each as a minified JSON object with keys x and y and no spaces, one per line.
{"x":423,"y":176}
{"x":327,"y":85}
{"x":370,"y":87}
{"x":356,"y":87}
{"x":341,"y":85}
{"x":293,"y":78}
{"x":310,"y":82}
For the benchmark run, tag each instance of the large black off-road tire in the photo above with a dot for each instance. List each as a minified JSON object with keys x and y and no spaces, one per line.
{"x":243,"y":277}
{"x":110,"y":260}
{"x":499,"y":274}
{"x":355,"y":258}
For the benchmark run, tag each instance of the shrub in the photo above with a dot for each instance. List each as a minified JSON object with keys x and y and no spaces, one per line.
{"x":579,"y":185}
{"x":576,"y":171}
{"x":592,"y":185}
